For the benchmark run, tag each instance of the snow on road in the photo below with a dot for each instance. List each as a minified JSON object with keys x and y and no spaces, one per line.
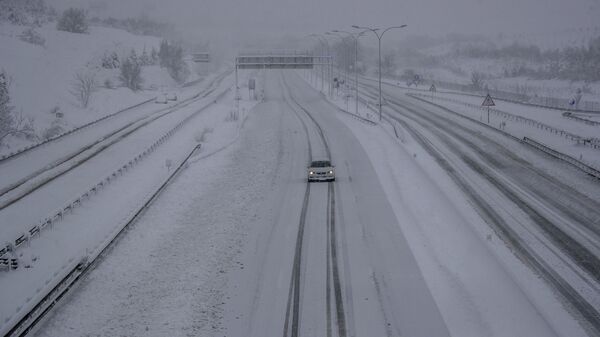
{"x":213,"y":255}
{"x":19,"y":217}
{"x":549,"y":117}
{"x":166,"y":275}
{"x":95,"y":222}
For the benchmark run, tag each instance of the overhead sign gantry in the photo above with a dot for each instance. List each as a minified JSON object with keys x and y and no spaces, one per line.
{"x":280,"y":60}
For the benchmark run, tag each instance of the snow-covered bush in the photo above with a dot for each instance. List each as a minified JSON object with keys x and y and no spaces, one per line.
{"x":7,"y":122}
{"x":26,"y":12}
{"x":73,"y":20}
{"x":140,"y":26}
{"x":10,"y":123}
{"x":57,"y":127}
{"x":30,"y":35}
{"x":83,"y":86}
{"x":145,"y":59}
{"x":111,"y":61}
{"x":171,"y":57}
{"x":131,"y":72}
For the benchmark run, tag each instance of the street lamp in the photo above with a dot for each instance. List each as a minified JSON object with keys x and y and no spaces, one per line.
{"x":319,"y":37}
{"x":355,"y":37}
{"x":343,"y":57}
{"x":379,"y":36}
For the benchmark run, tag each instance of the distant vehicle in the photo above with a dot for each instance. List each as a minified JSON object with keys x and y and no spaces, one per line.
{"x":161,"y":99}
{"x":321,"y":170}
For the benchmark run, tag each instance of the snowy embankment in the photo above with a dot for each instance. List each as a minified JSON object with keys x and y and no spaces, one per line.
{"x":547,"y":126}
{"x":42,"y":76}
{"x":86,"y":229}
{"x":570,"y":136}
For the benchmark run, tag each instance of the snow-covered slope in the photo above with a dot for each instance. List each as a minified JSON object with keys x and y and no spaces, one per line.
{"x":42,"y":76}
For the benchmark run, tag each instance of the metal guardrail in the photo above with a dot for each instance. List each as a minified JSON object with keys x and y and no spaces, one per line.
{"x":570,"y":115}
{"x":36,"y":230}
{"x":79,"y":268}
{"x":580,"y":165}
{"x":536,"y":145}
{"x":591,"y":142}
{"x":33,"y":146}
{"x":543,"y":102}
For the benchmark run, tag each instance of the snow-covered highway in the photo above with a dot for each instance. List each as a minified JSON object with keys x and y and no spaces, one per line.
{"x":393,"y":247}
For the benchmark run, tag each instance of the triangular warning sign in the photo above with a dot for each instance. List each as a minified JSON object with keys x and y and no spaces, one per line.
{"x":488,"y":101}
{"x":432,"y":88}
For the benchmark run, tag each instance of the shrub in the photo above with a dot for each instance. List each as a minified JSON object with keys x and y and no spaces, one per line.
{"x":30,"y":35}
{"x":73,"y":20}
{"x":111,"y":61}
{"x":7,"y":122}
{"x":26,"y":12}
{"x":10,"y":123}
{"x":131,"y":72}
{"x":83,"y":86}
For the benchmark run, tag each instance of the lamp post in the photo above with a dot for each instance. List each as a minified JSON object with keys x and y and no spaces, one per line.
{"x":355,"y":37}
{"x":344,"y":55}
{"x":379,"y":36}
{"x":323,"y":38}
{"x":320,"y":43}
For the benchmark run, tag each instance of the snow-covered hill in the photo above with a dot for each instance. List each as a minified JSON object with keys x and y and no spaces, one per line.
{"x":42,"y":76}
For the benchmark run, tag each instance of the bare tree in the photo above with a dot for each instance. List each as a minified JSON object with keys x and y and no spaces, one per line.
{"x":83,"y":86}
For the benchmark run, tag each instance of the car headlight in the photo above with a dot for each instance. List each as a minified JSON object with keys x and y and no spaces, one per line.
{"x":311,"y":172}
{"x":330,"y":172}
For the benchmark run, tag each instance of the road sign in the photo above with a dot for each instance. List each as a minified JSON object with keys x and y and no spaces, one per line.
{"x":432,"y":88}
{"x":488,"y":101}
{"x":201,"y":57}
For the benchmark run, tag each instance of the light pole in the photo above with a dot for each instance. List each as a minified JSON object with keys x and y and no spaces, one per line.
{"x":323,"y":38}
{"x":355,"y":37}
{"x":321,"y":43}
{"x":343,"y":57}
{"x":379,"y":36}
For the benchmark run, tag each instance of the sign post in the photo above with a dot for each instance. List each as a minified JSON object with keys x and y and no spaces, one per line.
{"x":488,"y":102}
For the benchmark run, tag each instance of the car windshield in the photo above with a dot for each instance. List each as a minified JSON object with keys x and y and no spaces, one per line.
{"x":321,"y":163}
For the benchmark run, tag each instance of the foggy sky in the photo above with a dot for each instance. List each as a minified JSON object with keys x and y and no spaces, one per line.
{"x":243,"y":18}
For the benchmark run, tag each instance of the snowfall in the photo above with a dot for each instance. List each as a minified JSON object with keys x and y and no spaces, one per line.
{"x":212,"y":253}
